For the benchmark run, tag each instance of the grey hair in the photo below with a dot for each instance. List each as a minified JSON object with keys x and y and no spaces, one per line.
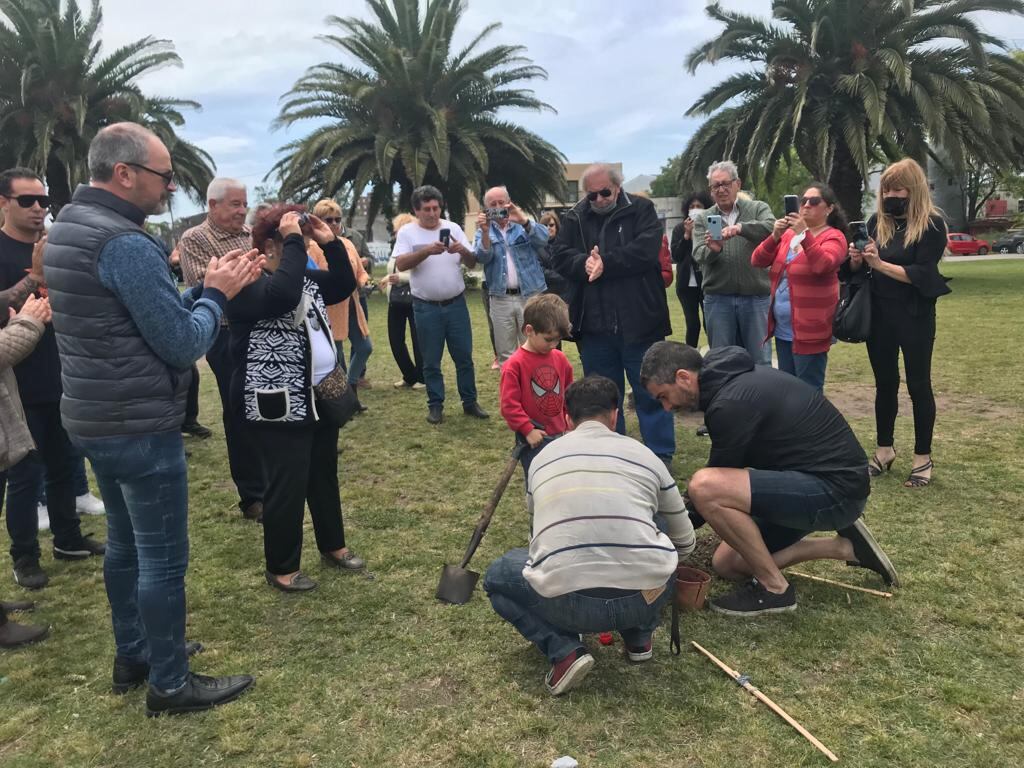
{"x":491,"y":189}
{"x":118,"y":143}
{"x":220,"y":186}
{"x":724,"y":165}
{"x":664,"y":358}
{"x":614,"y":176}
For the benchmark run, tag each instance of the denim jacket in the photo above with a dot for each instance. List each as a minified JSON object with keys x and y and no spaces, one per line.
{"x":526,"y":248}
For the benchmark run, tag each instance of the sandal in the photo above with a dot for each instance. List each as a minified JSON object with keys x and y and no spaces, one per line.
{"x":916,"y":479}
{"x":876,"y":468}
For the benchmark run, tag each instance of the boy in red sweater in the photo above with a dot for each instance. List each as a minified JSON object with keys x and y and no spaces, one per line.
{"x":535,"y":377}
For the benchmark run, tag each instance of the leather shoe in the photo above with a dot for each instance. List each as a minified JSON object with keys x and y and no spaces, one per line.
{"x":14,"y":606}
{"x":199,"y":693}
{"x":253,"y":511}
{"x":300,"y":582}
{"x":130,"y":674}
{"x":13,"y":634}
{"x":347,"y":562}
{"x":435,"y":414}
{"x":474,"y":409}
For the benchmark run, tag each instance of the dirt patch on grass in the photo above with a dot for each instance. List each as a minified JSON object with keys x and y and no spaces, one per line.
{"x":435,"y":692}
{"x":858,"y":400}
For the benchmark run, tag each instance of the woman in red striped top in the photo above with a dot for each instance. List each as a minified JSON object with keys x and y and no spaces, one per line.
{"x":804,"y":251}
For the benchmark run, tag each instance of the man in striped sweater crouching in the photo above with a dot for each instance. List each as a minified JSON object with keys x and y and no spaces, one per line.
{"x":597,"y":560}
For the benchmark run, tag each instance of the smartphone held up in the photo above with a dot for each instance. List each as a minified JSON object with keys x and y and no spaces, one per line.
{"x":859,"y":235}
{"x":715,"y":226}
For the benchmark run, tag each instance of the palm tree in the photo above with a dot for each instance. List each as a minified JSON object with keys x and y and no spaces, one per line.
{"x":414,"y":111}
{"x":57,"y":92}
{"x":851,"y":84}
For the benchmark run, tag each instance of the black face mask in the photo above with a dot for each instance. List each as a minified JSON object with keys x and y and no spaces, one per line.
{"x":895,"y":206}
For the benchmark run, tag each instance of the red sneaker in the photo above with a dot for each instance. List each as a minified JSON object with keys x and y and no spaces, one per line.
{"x":640,"y":652}
{"x":568,"y":672}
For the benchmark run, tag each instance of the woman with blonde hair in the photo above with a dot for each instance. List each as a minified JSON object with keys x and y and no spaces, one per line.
{"x":396,"y":285}
{"x":908,"y":237}
{"x":347,"y":318}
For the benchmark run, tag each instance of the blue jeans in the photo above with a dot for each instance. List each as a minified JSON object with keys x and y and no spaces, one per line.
{"x":608,"y":356}
{"x":554,"y":624}
{"x":361,"y":347}
{"x":436,"y":325}
{"x":144,"y":482}
{"x":740,"y":321}
{"x":807,"y":368}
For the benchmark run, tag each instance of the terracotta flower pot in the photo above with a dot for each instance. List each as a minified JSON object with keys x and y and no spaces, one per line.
{"x":691,"y":588}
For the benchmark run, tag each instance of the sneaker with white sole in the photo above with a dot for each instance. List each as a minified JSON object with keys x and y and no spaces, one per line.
{"x":87,"y":504}
{"x":44,"y":517}
{"x":638,"y":653}
{"x":568,"y":672}
{"x":85,"y":549}
{"x":752,"y":599}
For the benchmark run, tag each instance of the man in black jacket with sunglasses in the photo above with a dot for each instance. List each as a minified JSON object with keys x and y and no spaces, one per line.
{"x":607,"y":248}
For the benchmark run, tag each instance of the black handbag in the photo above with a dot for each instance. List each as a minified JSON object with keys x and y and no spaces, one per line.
{"x":400,"y":293}
{"x":336,"y":401}
{"x":852,"y":321}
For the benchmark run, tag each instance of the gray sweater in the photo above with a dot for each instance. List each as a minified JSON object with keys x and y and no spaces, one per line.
{"x":730,"y":271}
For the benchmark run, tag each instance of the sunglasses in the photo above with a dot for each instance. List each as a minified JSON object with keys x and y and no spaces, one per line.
{"x":592,"y":196}
{"x":331,"y":219}
{"x":167,"y":176}
{"x":811,"y":201}
{"x":27,"y":201}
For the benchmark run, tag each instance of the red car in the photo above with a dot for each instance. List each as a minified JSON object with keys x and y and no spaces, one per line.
{"x":964,"y":244}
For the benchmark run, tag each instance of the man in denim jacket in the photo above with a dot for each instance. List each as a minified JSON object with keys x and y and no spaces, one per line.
{"x":508,"y":244}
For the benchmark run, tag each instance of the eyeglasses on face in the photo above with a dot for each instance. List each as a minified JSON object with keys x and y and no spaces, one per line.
{"x":812,"y":201}
{"x":722,"y":185}
{"x":27,"y":201}
{"x":167,"y":176}
{"x":605,"y":193}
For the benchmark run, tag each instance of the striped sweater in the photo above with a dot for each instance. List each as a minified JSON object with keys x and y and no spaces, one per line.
{"x":593,"y":495}
{"x":813,"y":284}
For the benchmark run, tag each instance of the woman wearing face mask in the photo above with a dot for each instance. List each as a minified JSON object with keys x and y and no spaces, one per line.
{"x":908,"y":237}
{"x":285,"y":359}
{"x":688,"y":277}
{"x":804,"y":252}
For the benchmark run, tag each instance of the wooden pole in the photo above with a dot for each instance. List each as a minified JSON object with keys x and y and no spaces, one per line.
{"x":753,"y":690}
{"x":840,"y":584}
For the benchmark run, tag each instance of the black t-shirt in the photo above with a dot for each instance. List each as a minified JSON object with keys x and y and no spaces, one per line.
{"x":920,"y":261}
{"x":38,"y":374}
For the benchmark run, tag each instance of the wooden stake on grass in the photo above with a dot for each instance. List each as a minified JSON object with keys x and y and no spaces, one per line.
{"x":840,"y":584}
{"x":756,"y":693}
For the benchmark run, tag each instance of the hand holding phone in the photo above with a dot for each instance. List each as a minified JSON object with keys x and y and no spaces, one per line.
{"x":446,"y":237}
{"x":791,"y":204}
{"x":859,"y":235}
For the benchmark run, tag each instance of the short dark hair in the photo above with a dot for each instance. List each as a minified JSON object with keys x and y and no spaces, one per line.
{"x":7,"y":178}
{"x":591,"y":396}
{"x":547,"y":313}
{"x":700,"y":196}
{"x":423,"y":194}
{"x":664,"y":358}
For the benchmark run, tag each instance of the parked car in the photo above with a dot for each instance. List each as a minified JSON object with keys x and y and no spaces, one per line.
{"x":961,"y":243}
{"x":1013,"y":242}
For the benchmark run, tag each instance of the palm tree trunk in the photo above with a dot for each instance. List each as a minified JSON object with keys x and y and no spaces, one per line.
{"x":847,"y":181}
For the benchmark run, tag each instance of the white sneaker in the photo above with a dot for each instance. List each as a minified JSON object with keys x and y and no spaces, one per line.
{"x":44,"y":517}
{"x":419,"y":385}
{"x":87,"y":504}
{"x":400,"y":384}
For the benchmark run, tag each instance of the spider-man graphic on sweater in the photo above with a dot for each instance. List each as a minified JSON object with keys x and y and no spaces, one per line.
{"x":533,"y":390}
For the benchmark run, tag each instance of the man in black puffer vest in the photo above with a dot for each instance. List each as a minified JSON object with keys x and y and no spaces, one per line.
{"x":127,"y":341}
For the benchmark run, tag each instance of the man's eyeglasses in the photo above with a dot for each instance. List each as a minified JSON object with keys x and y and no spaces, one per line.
{"x":722,"y":185}
{"x":605,"y":193}
{"x":812,"y":201}
{"x":167,"y":176}
{"x":27,"y":201}
{"x":331,"y":219}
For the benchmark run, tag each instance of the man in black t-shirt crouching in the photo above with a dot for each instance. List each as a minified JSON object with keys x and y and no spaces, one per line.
{"x":783,"y":463}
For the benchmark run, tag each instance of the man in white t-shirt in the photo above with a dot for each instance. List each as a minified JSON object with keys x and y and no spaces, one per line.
{"x":434,"y":250}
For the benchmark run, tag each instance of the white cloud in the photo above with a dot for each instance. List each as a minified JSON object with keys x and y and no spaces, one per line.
{"x":223,"y":145}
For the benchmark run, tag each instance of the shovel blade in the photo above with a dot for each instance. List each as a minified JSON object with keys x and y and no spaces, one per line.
{"x":456,"y":585}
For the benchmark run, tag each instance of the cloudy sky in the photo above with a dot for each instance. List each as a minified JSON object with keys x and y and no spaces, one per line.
{"x":616,"y":75}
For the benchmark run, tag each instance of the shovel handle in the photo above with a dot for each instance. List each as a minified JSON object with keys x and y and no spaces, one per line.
{"x":488,"y":513}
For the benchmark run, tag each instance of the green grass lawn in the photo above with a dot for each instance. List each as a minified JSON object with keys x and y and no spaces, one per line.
{"x":374,"y":672}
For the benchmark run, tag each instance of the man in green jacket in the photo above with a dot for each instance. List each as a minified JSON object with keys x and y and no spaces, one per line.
{"x":736,"y":294}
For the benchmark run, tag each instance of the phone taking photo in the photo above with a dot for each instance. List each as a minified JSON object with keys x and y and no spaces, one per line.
{"x":859,"y":234}
{"x":715,"y":226}
{"x":446,"y":237}
{"x":791,"y":204}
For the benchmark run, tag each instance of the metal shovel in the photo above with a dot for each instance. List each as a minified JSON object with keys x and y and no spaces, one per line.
{"x":457,"y":583}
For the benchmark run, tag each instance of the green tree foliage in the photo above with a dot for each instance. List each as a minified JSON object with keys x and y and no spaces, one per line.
{"x":57,"y":91}
{"x":413,"y":111}
{"x":667,"y":183}
{"x":850,"y":85}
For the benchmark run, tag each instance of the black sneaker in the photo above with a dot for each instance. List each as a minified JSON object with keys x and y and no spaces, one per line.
{"x":131,"y":674}
{"x":199,"y":693}
{"x":752,"y":599}
{"x":85,"y":549}
{"x":702,"y":430}
{"x":28,"y":574}
{"x":196,"y":430}
{"x":869,"y":555}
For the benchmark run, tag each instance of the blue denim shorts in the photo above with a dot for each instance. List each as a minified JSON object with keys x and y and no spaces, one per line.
{"x":789,"y":505}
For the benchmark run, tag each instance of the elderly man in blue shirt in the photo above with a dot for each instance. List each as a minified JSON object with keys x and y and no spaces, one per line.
{"x":508,"y":245}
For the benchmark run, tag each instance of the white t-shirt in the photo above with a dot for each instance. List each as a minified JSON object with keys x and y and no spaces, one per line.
{"x":511,"y":272}
{"x":439,"y":276}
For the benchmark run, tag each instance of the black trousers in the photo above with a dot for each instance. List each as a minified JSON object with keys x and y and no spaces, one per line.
{"x":192,"y":402}
{"x":692,"y":300}
{"x":243,"y":456}
{"x":897,"y":327}
{"x":55,"y":454}
{"x":301,"y":465}
{"x":412,"y":368}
